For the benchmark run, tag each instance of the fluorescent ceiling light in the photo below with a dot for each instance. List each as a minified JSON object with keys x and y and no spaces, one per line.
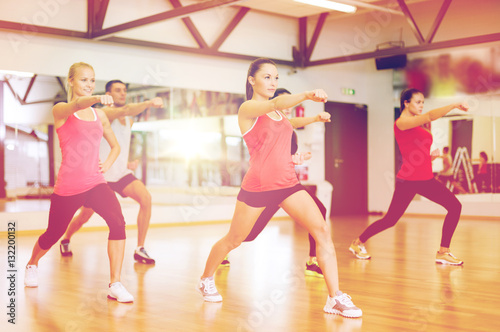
{"x":330,"y":5}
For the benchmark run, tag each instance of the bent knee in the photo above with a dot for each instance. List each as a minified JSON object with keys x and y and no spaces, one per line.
{"x":116,"y":226}
{"x":456,"y":206}
{"x":234,"y":242}
{"x":49,"y":238}
{"x":145,"y":200}
{"x":117,"y":232}
{"x":321,"y":232}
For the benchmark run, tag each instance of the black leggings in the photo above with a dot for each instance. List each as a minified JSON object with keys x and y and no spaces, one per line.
{"x":269,"y":212}
{"x":404,"y":193}
{"x":62,"y":208}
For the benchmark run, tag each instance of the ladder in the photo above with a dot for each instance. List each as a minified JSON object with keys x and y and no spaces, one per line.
{"x":462,"y":158}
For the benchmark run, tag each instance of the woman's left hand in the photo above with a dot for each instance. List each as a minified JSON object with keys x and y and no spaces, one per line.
{"x":298,"y":159}
{"x":317,"y":95}
{"x":323,"y":117}
{"x":463,"y":106}
{"x":102,"y":168}
{"x":435,"y":154}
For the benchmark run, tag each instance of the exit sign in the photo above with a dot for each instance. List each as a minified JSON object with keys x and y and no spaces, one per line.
{"x":348,"y":92}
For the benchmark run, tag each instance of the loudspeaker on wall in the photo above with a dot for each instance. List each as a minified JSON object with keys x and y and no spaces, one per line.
{"x":390,"y":62}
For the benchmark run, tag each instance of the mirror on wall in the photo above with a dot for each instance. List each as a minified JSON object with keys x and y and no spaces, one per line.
{"x":469,"y":142}
{"x":470,"y":145}
{"x":192,"y":141}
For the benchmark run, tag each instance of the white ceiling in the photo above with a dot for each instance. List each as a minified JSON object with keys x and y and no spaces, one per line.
{"x":412,"y":22}
{"x":295,"y":9}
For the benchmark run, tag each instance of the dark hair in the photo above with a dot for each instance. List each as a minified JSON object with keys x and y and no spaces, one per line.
{"x":280,"y":91}
{"x":446,"y":149}
{"x":254,"y":68}
{"x":406,"y":95}
{"x":110,"y":84}
{"x":484,"y":155}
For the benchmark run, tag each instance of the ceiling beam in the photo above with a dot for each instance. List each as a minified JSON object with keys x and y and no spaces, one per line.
{"x":62,"y":85}
{"x":494,"y":37}
{"x":438,"y":20}
{"x":192,"y":50}
{"x":29,"y":30}
{"x":32,"y":81}
{"x":23,"y":102}
{"x":90,"y":18}
{"x":411,"y":22}
{"x":230,"y":27}
{"x":300,"y":57}
{"x":191,"y":27}
{"x":174,"y":13}
{"x":315,"y":36}
{"x":100,"y":14}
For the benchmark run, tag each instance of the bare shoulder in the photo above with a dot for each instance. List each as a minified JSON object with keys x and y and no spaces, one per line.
{"x":244,"y":108}
{"x":59,"y":105}
{"x":410,"y":122}
{"x":398,"y":123}
{"x":102,"y":116}
{"x":99,"y":112}
{"x":245,"y":104}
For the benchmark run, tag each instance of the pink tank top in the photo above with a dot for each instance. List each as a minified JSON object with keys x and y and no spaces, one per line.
{"x":271,"y":166}
{"x":415,"y":146}
{"x":79,"y":141}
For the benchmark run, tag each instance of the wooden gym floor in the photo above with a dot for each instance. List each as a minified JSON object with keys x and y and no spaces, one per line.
{"x":264,"y":289}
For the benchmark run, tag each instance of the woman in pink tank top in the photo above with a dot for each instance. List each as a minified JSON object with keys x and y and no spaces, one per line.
{"x":415,"y":175}
{"x":271,"y":181}
{"x":80,"y":180}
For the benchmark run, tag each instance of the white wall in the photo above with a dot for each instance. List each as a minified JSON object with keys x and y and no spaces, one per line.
{"x":53,"y":56}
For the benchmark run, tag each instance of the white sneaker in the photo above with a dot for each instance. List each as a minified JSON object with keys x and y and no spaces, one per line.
{"x":31,"y":276}
{"x":359,"y":251}
{"x":207,"y":288}
{"x":118,"y":292}
{"x":142,"y":256}
{"x":342,"y":305}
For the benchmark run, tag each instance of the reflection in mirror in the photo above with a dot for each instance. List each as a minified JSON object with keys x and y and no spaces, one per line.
{"x":26,"y":120}
{"x":470,"y":165}
{"x":467,"y":153}
{"x":193,"y":141}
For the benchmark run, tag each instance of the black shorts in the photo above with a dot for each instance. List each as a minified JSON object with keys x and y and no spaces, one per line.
{"x":267,"y":198}
{"x":119,"y":185}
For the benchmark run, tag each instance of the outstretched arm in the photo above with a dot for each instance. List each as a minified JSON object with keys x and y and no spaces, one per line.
{"x":131,"y":109}
{"x":301,"y":122}
{"x":405,"y":123}
{"x":61,"y":111}
{"x":110,"y":137}
{"x":253,"y":108}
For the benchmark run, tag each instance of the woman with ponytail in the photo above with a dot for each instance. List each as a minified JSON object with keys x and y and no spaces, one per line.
{"x":271,"y":181}
{"x":415,"y":175}
{"x":80,"y":181}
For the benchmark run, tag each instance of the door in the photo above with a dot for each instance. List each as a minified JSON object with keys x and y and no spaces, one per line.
{"x":461,"y":138}
{"x":346,"y":157}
